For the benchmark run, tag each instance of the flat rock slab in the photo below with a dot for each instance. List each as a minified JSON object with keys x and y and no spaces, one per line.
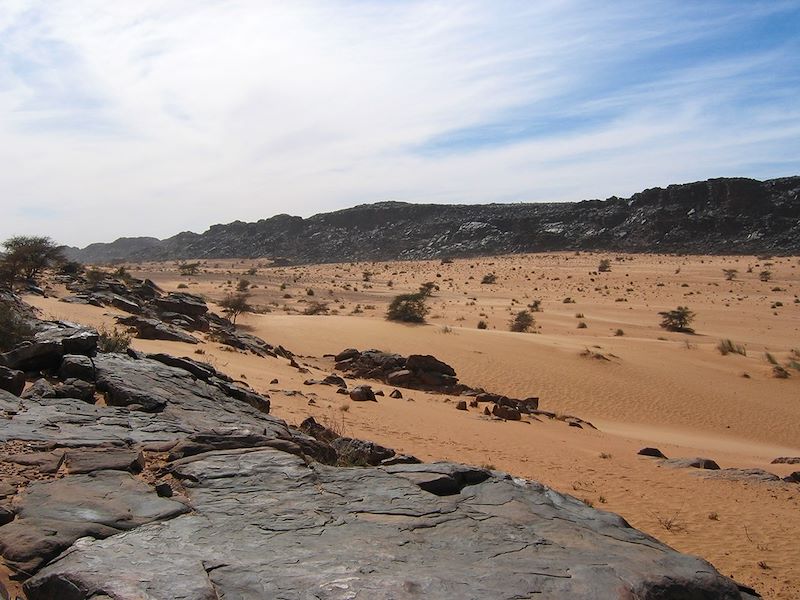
{"x":88,"y":460}
{"x":754,"y":475}
{"x":694,"y":463}
{"x":51,"y":515}
{"x":268,"y":525}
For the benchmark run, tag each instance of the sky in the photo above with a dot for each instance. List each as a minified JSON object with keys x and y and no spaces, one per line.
{"x":148,"y":118}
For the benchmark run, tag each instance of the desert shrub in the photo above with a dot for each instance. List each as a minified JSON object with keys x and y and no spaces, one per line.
{"x":182,"y":286}
{"x":582,"y":325}
{"x":726,"y":347}
{"x":427,"y":288}
{"x":309,"y":292}
{"x":604,"y":266}
{"x":730,"y":274}
{"x":316,"y":308}
{"x":252,"y":271}
{"x":482,"y":324}
{"x":677,"y":320}
{"x":489,"y":278}
{"x":114,"y":340}
{"x":535,"y":306}
{"x":13,"y":328}
{"x":71,"y":267}
{"x":522,"y":321}
{"x":765,"y":275}
{"x":770,"y":359}
{"x":409,"y":308}
{"x":235,"y":304}
{"x":242,"y":285}
{"x":619,"y":333}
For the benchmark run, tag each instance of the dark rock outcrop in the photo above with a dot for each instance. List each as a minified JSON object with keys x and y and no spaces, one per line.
{"x":704,"y":217}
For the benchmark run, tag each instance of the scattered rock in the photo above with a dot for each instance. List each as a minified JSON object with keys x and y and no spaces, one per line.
{"x":695,"y":463}
{"x":461,"y":405}
{"x":655,"y":452}
{"x":362,"y":393}
{"x":395,"y":394}
{"x":12,"y":381}
{"x":787,"y":460}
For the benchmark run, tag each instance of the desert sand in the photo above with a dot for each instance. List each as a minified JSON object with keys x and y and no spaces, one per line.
{"x":637,"y":383}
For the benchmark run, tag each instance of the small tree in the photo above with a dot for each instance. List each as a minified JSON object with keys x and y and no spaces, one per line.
{"x":13,"y":327}
{"x":678,"y":319}
{"x":765,"y":275}
{"x":427,"y":288}
{"x":187,"y":269}
{"x":235,"y":304}
{"x":730,"y":274}
{"x":522,"y":321}
{"x":409,"y":308}
{"x":27,"y":256}
{"x":604,"y":266}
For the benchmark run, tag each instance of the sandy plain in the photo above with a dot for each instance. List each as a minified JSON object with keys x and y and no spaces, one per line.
{"x":657,"y":388}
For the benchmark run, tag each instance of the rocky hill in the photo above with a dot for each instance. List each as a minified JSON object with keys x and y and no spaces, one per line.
{"x":733,"y":215}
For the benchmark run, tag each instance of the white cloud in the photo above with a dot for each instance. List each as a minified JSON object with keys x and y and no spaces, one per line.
{"x":148,"y":118}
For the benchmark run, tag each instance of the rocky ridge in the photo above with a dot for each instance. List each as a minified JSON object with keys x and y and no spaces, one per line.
{"x":707,"y":217}
{"x":169,"y":480}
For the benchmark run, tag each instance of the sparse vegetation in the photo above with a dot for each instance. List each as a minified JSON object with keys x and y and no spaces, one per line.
{"x":482,"y":324}
{"x":522,"y":322}
{"x":765,"y":276}
{"x":316,"y":308}
{"x":727,"y":346}
{"x":235,"y":304}
{"x":677,"y":320}
{"x":604,"y":266}
{"x":489,"y":279}
{"x":113,"y":340}
{"x":408,"y":308}
{"x":187,"y":269}
{"x":730,"y":274}
{"x":619,"y":333}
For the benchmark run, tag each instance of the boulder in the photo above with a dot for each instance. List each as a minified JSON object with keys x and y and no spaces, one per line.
{"x":153,"y":329}
{"x":12,"y":380}
{"x":184,"y":304}
{"x":654,"y":452}
{"x":461,"y":405}
{"x":793,"y":477}
{"x":362,"y":393}
{"x":400,"y":377}
{"x":429,"y":364}
{"x":504,"y":412}
{"x":395,"y":394}
{"x":77,"y":366}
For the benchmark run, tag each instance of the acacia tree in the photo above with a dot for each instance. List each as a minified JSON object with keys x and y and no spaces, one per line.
{"x":678,"y":319}
{"x":27,"y":256}
{"x":522,"y":322}
{"x":235,"y":304}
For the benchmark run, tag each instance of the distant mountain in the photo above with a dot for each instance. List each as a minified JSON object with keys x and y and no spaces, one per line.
{"x":718,"y":216}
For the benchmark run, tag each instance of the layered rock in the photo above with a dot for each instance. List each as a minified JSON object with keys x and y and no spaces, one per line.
{"x":705,"y":217}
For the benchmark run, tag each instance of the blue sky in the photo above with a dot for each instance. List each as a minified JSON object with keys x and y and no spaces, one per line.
{"x":154,"y":117}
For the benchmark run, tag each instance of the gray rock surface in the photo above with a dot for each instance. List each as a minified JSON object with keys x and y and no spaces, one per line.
{"x":333,"y":533}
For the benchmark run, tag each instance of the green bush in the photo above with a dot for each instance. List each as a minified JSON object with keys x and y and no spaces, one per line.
{"x":409,"y":308}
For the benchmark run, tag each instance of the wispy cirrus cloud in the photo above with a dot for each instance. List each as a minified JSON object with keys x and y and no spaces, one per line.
{"x":153,"y":117}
